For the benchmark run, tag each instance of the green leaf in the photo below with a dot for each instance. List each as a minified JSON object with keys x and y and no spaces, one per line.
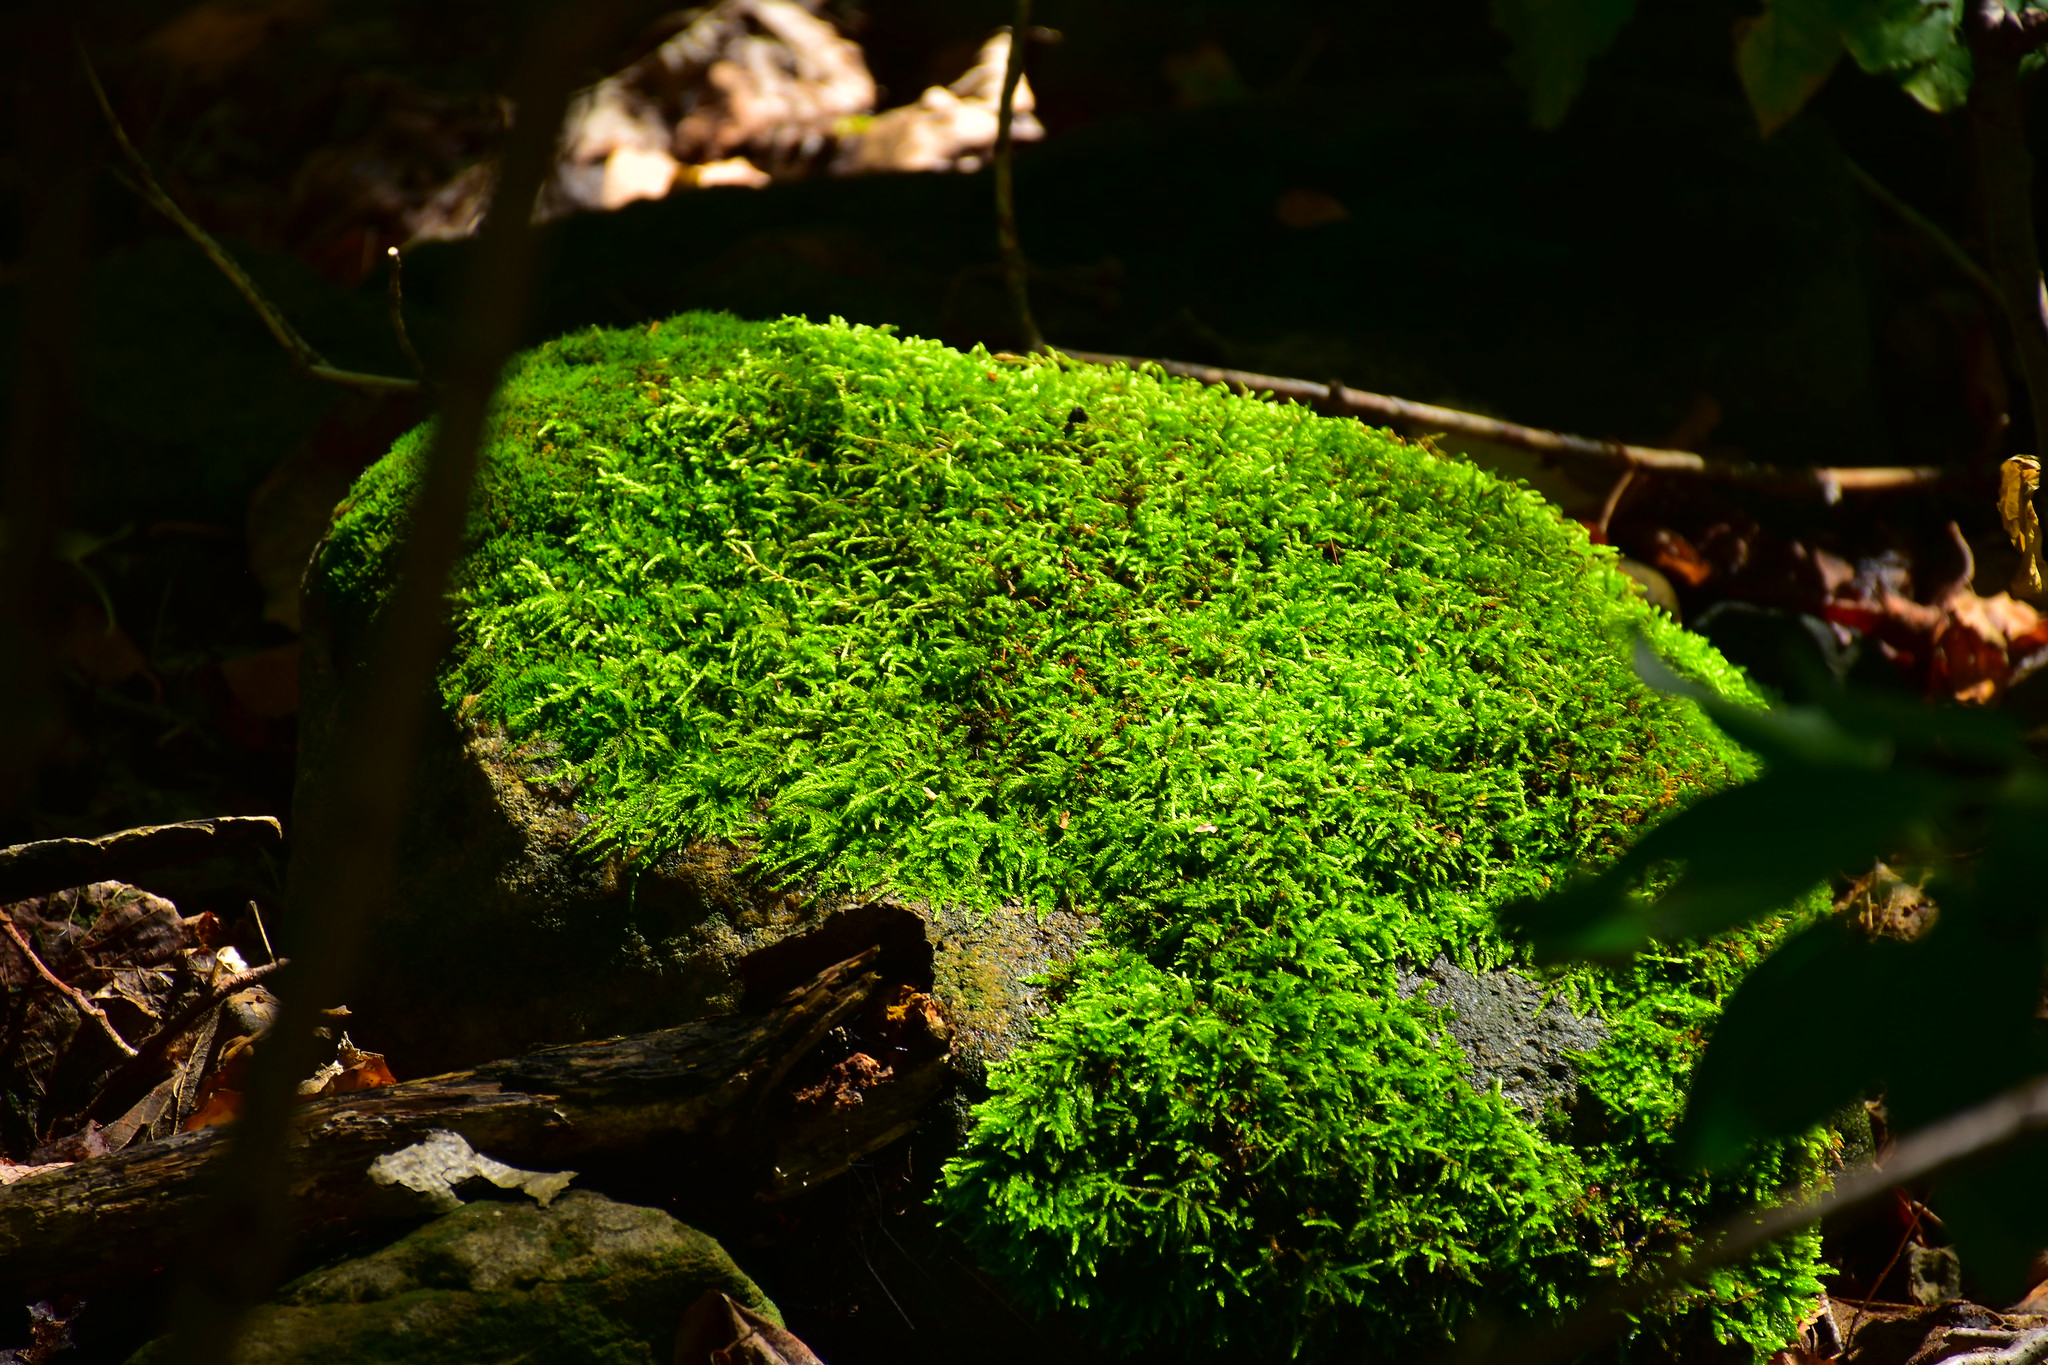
{"x":1801,"y":1038}
{"x":1749,"y":852}
{"x":1916,"y":42}
{"x":1943,"y":84}
{"x":1555,"y":41}
{"x":1896,"y":35}
{"x":1784,"y":55}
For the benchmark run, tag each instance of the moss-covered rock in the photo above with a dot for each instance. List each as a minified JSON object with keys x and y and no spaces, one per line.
{"x":804,"y":618}
{"x":584,"y":1279}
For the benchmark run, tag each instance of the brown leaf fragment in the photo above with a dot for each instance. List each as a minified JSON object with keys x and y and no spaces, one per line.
{"x":842,"y":1085}
{"x":11,"y":1171}
{"x":2019,"y":478}
{"x":718,"y":1330}
{"x":143,"y":1116}
{"x":1883,"y":904}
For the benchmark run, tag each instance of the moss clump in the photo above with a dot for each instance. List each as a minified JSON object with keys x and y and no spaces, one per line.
{"x":1289,"y":702}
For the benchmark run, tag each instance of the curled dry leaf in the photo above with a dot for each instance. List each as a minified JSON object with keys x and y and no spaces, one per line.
{"x":2018,"y":480}
{"x":719,"y":1330}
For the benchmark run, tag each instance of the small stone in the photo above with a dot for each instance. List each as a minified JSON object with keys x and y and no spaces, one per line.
{"x":585,"y":1280}
{"x":1512,"y":1031}
{"x":1933,"y":1275}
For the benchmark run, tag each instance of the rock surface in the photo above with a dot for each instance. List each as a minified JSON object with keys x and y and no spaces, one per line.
{"x":1513,"y":1030}
{"x":585,"y":1280}
{"x":544,"y":941}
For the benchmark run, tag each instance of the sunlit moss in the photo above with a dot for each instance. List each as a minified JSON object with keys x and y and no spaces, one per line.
{"x":1289,"y":702}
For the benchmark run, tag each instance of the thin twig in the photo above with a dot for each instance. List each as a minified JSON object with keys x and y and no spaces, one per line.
{"x":78,"y":998}
{"x":305,"y":359}
{"x":1999,"y":42}
{"x":1997,"y":1122}
{"x":1337,"y":399}
{"x":1613,"y":503}
{"x":1949,"y":247}
{"x":269,"y":953}
{"x":397,"y":296}
{"x":1912,"y":1226}
{"x":1016,"y":270}
{"x":343,"y":864}
{"x":141,"y":1060}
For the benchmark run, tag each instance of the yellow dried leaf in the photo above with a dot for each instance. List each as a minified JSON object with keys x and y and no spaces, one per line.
{"x":2018,"y":480}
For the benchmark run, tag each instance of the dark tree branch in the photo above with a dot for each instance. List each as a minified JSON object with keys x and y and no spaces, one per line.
{"x":342,"y":863}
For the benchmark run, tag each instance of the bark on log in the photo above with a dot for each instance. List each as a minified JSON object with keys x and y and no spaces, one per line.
{"x":53,"y":865}
{"x":714,"y":1088}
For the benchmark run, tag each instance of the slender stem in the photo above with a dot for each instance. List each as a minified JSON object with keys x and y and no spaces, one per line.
{"x":305,"y":359}
{"x":78,"y":998}
{"x":1016,"y":270}
{"x":1931,"y":231}
{"x":344,"y":861}
{"x":397,"y":296}
{"x":1998,"y":41}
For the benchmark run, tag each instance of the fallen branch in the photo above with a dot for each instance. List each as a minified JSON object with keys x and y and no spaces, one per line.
{"x":52,"y":865}
{"x":711,"y":1093}
{"x":305,"y":359}
{"x":1338,"y":400}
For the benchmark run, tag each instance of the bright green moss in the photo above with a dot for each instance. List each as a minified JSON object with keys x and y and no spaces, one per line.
{"x":1289,"y":702}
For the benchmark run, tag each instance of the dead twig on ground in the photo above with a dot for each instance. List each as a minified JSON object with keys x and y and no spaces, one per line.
{"x":1339,"y":400}
{"x":78,"y":998}
{"x":150,"y":1054}
{"x":304,"y":357}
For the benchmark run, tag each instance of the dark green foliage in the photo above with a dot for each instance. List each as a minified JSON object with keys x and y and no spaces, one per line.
{"x":1289,"y":702}
{"x":1836,"y":1013}
{"x":1783,"y":54}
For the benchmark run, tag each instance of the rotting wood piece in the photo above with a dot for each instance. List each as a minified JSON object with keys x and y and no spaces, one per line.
{"x":1337,"y":400}
{"x":709,"y":1090}
{"x":53,"y":865}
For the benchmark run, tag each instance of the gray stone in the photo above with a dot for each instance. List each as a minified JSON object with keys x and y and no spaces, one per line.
{"x":1933,"y":1274}
{"x":1512,"y":1030}
{"x":584,"y":1280}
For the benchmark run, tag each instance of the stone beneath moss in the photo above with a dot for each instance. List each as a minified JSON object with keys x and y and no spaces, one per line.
{"x":819,"y":629}
{"x":1512,"y":1030}
{"x":585,"y":1280}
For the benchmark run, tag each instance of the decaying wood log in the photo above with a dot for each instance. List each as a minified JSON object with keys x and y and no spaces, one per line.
{"x":52,"y":865}
{"x":715,"y":1089}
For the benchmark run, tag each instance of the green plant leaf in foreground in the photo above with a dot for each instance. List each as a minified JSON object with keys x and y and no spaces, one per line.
{"x":1783,"y":56}
{"x":1839,"y":1012}
{"x":1555,"y":42}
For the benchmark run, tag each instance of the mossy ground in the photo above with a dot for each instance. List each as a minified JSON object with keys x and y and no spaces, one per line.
{"x":1289,"y":702}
